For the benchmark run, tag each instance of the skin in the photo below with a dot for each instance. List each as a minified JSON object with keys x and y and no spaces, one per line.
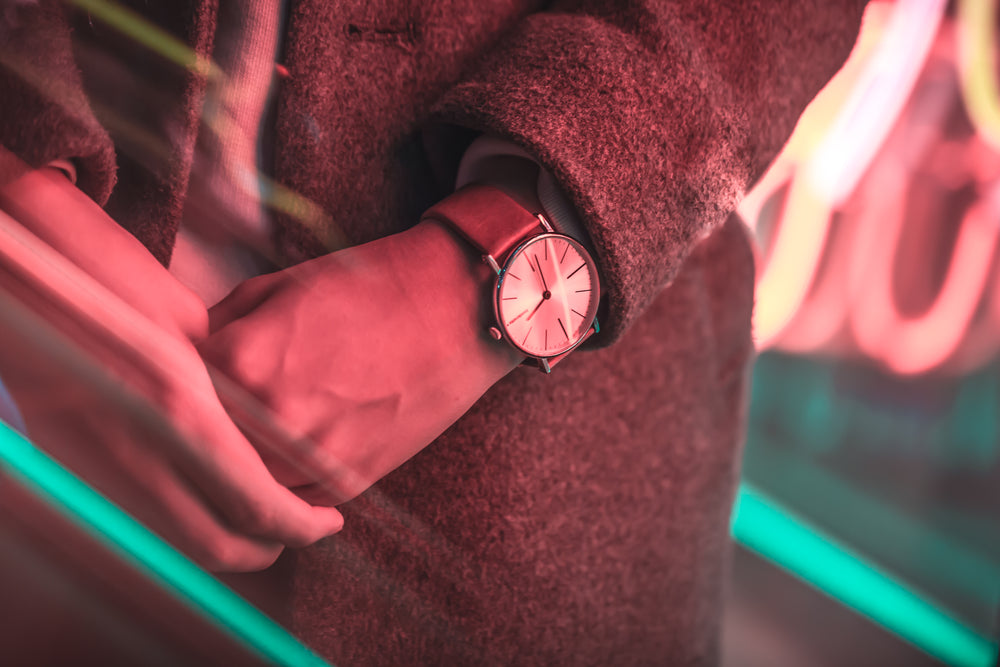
{"x":333,"y":373}
{"x":143,"y":423}
{"x":342,"y":368}
{"x":362,"y":357}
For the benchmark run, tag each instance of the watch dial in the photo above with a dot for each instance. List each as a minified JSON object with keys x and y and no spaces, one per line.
{"x":547,"y":295}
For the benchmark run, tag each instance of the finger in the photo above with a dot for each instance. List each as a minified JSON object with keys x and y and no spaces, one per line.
{"x":135,"y":275}
{"x":227,"y":469}
{"x":321,"y":494}
{"x":213,"y":543}
{"x":239,"y":303}
{"x":185,"y":519}
{"x":87,"y":423}
{"x":151,"y":490}
{"x":293,"y":460}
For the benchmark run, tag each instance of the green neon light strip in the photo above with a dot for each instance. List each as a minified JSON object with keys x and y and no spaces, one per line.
{"x":154,"y":38}
{"x":877,"y":527}
{"x":161,"y":562}
{"x":759,"y":523}
{"x":763,"y":526}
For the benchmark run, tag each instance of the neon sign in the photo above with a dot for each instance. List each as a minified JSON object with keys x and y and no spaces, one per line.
{"x":834,"y":215}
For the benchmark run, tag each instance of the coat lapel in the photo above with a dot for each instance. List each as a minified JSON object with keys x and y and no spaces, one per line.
{"x":146,"y":77}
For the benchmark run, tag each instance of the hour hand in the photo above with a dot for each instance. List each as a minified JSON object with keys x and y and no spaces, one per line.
{"x":535,"y":309}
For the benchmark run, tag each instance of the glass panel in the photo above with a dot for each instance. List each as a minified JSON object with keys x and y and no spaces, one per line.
{"x":126,"y":544}
{"x":874,"y":434}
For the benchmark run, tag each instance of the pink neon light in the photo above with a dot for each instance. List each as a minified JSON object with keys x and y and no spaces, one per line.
{"x":915,"y":345}
{"x":826,"y":284}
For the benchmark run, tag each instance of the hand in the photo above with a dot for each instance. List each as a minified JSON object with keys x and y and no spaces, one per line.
{"x":67,"y":221}
{"x":541,"y":275}
{"x":126,"y":403}
{"x":361,"y":357}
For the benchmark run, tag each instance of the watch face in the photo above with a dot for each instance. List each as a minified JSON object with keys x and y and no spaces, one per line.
{"x":547,"y":295}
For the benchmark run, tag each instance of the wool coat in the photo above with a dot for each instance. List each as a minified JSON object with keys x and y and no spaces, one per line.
{"x":573,"y":519}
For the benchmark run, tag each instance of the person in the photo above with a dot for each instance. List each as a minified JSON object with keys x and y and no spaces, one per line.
{"x":574,"y":518}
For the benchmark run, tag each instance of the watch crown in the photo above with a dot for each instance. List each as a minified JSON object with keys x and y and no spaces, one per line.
{"x":495,"y":333}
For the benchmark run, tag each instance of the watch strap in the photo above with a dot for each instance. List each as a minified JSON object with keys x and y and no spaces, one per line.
{"x":485,"y":216}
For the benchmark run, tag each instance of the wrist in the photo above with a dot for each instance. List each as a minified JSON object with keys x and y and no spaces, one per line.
{"x":462,"y":281}
{"x":544,"y":307}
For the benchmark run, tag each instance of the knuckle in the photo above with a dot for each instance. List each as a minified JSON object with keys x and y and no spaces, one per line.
{"x":235,"y":555}
{"x":307,"y":537}
{"x":263,"y":560}
{"x":255,"y":559}
{"x":255,"y":517}
{"x":193,"y":321}
{"x":246,"y":290}
{"x":213,"y":555}
{"x":236,"y":352}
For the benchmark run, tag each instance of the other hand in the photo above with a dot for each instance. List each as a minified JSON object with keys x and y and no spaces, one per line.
{"x":358,"y":359}
{"x":102,"y":368}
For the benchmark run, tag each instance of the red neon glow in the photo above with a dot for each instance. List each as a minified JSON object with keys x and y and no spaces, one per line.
{"x":826,"y":273}
{"x":909,"y":345}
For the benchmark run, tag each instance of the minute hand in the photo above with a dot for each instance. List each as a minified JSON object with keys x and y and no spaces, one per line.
{"x":541,"y":274}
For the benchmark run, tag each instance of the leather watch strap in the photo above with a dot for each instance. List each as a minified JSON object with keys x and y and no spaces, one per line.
{"x":486,"y":216}
{"x":494,"y":223}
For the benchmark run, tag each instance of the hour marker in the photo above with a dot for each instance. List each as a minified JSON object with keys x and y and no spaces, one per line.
{"x":563,"y":328}
{"x":508,"y":298}
{"x":575,"y":270}
{"x":545,"y":244}
{"x":517,"y":318}
{"x":532,"y":265}
{"x":526,"y":336}
{"x":582,"y":290}
{"x":577,"y":312}
{"x":512,"y":276}
{"x":546,"y":339}
{"x":564,"y":254}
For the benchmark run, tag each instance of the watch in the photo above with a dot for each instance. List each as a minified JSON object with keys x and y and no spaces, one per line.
{"x":547,"y":291}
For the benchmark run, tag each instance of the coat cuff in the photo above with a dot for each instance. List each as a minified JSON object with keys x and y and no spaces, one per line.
{"x":45,"y":117}
{"x":654,"y":117}
{"x":555,"y":204}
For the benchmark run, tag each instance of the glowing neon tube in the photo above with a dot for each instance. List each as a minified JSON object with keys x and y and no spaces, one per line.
{"x":122,"y":534}
{"x":878,"y":97}
{"x":764,"y":527}
{"x":911,"y":345}
{"x":977,"y":58}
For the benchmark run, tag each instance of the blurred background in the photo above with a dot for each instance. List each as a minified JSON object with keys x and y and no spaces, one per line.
{"x":867,"y":523}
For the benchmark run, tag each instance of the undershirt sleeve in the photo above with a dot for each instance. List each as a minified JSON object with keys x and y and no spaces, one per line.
{"x":653,"y":117}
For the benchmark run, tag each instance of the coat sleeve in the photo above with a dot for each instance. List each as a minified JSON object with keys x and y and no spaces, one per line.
{"x":44,"y":113}
{"x":655,"y":117}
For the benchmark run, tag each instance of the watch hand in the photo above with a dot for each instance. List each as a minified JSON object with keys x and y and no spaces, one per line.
{"x":535,"y":309}
{"x":541,"y":275}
